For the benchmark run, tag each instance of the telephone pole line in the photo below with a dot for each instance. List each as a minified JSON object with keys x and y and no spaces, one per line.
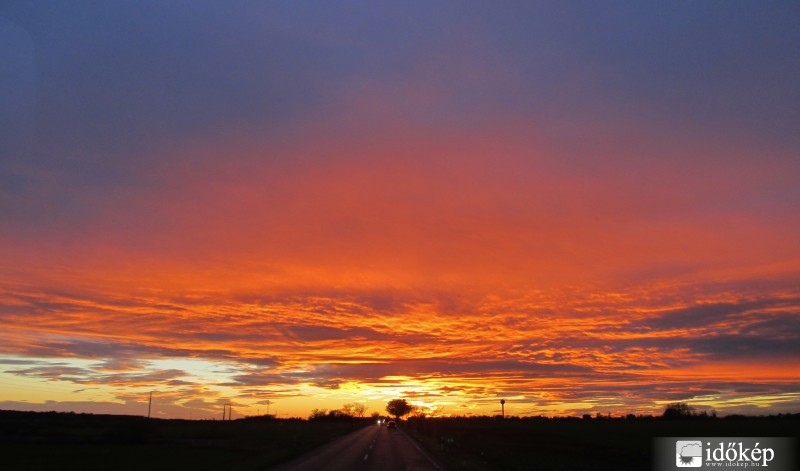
{"x":227,"y":411}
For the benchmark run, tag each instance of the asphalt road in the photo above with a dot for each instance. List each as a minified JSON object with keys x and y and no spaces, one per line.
{"x":372,"y":448}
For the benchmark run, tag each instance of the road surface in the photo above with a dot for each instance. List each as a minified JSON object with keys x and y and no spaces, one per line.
{"x":372,"y":448}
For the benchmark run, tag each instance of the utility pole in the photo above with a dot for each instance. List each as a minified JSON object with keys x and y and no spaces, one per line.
{"x":268,"y":406}
{"x":149,"y":404}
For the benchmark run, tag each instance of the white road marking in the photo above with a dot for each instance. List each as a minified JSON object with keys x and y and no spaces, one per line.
{"x":366,"y":456}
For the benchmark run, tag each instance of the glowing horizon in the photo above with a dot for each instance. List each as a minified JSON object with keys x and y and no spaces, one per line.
{"x":524,"y":204}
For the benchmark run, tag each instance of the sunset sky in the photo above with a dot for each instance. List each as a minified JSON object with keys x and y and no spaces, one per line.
{"x":578,"y":207}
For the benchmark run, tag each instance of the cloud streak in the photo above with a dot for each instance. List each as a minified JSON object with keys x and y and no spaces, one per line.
{"x":568,"y":354}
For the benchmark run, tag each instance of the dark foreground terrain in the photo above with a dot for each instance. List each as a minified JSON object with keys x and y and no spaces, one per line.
{"x":48,"y":441}
{"x":572,"y":444}
{"x":44,"y":441}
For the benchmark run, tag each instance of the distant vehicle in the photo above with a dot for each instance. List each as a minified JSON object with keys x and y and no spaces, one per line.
{"x":391,"y":424}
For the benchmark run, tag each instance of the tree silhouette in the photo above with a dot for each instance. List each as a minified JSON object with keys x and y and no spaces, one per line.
{"x":678,"y":410}
{"x":359,"y":409}
{"x":398,"y":408}
{"x":354,"y":409}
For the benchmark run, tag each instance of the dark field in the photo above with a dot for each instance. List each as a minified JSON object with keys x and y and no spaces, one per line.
{"x":573,"y":444}
{"x":49,"y":441}
{"x":44,"y":441}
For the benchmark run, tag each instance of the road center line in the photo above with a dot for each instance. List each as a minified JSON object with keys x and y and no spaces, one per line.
{"x":366,"y":456}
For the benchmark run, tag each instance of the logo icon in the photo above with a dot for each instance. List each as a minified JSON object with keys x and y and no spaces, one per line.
{"x":688,"y":453}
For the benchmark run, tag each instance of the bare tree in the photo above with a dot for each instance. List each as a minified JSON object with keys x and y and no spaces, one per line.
{"x":348,"y":409}
{"x":435,"y":411}
{"x":359,"y":409}
{"x":678,"y":410}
